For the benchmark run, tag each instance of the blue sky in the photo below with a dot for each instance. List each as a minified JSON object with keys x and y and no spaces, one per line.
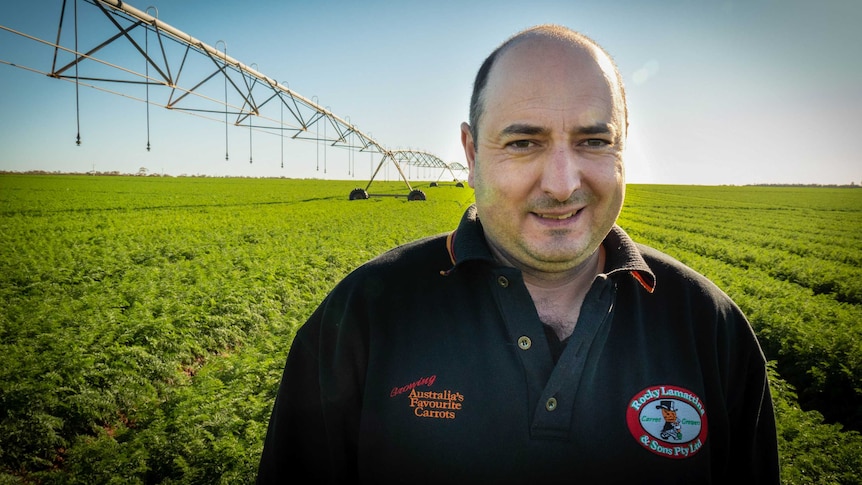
{"x":759,"y":91}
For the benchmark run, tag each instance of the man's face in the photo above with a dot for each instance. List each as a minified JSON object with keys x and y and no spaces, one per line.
{"x":548,"y":168}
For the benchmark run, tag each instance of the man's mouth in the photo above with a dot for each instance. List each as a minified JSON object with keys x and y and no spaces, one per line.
{"x":558,"y":217}
{"x":551,"y":215}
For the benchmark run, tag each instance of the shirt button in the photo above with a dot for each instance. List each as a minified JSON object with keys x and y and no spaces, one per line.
{"x":551,"y":404}
{"x":503,"y":281}
{"x":525,"y":343}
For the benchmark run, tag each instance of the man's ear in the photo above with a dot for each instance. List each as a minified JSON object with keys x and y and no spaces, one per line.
{"x":469,"y":150}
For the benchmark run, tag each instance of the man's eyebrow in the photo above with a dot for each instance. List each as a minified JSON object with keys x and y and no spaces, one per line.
{"x":597,"y":129}
{"x":523,"y":129}
{"x":528,"y":129}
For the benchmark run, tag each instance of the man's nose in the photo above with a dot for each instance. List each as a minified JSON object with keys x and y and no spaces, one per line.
{"x":561,"y":175}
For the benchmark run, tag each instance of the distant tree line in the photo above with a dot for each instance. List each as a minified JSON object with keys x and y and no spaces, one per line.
{"x":116,"y":173}
{"x":144,"y":172}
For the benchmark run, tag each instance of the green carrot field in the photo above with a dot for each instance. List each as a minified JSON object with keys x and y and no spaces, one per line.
{"x":145,"y":320}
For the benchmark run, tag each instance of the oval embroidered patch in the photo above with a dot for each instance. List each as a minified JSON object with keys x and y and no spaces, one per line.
{"x":668,"y":420}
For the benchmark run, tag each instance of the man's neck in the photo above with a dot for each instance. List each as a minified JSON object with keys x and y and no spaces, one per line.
{"x":558,"y":298}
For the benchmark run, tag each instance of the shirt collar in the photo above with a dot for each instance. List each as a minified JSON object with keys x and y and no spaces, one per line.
{"x":467,"y":243}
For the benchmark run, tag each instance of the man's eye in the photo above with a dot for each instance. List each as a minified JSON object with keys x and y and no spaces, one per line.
{"x":520,"y":144}
{"x":595,"y":142}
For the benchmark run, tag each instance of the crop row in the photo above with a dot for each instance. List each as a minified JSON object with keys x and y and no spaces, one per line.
{"x":698,"y":196}
{"x":147,"y":343}
{"x":824,"y":267}
{"x":830,"y":235}
{"x":146,"y":321}
{"x":804,"y":309}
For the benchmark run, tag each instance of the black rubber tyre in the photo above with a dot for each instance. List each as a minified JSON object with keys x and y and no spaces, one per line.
{"x":433,"y":184}
{"x":416,"y":194}
{"x":358,"y":194}
{"x":459,"y":184}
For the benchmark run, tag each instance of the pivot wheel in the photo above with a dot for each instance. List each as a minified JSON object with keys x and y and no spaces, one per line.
{"x":416,"y":194}
{"x":358,"y":194}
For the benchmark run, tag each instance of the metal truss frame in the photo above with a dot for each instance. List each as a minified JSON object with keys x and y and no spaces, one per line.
{"x":248,"y":99}
{"x":453,"y":168}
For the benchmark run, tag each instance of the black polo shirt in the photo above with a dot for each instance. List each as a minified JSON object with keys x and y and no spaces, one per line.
{"x":429,"y":364}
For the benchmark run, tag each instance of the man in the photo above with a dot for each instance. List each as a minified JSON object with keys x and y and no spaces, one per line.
{"x":537,"y":341}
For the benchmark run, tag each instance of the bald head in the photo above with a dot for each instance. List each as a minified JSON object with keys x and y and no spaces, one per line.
{"x":549,"y":37}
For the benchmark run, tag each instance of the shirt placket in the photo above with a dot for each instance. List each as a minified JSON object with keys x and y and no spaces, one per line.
{"x":552,"y":388}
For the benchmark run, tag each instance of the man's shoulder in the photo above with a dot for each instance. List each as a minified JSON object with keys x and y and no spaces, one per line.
{"x":661,"y":261}
{"x":426,"y":250}
{"x":386,"y":278}
{"x":680,"y":288}
{"x":675,"y":275}
{"x":427,"y":255}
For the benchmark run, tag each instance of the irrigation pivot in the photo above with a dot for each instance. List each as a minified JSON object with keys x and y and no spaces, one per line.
{"x":116,"y":48}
